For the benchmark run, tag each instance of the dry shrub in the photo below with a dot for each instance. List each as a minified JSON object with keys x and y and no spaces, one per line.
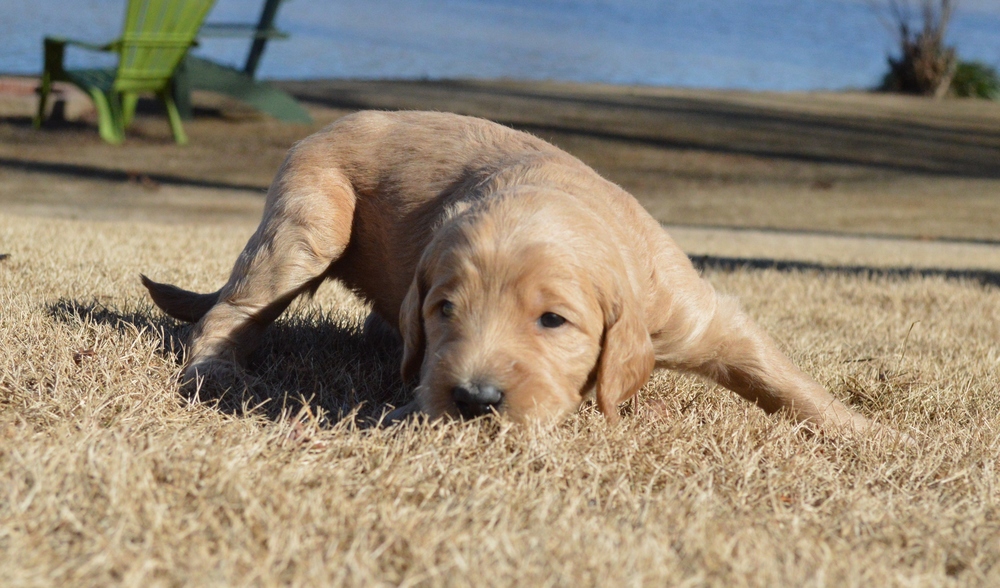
{"x":110,"y":477}
{"x":925,"y":65}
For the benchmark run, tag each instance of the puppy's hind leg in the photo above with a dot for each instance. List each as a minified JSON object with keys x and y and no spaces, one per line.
{"x":306,"y":227}
{"x":719,"y":341}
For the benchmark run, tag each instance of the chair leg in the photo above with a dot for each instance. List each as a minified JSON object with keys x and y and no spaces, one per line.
{"x":43,"y":95}
{"x":175,"y":118}
{"x":109,"y":121}
{"x":52,"y":69}
{"x":129,"y":101}
{"x":180,"y":89}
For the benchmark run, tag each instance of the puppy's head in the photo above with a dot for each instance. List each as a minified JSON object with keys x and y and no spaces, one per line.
{"x":519,"y":307}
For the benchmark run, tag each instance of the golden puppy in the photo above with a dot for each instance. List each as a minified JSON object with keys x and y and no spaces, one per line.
{"x":522,"y":282}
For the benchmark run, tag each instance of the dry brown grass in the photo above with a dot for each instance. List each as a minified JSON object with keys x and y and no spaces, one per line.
{"x":109,"y":476}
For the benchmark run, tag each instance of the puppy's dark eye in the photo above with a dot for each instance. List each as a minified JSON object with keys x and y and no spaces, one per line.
{"x":447,"y":309}
{"x":551,"y":320}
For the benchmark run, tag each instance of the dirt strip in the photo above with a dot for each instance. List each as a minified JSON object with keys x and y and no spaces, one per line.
{"x":734,"y":175}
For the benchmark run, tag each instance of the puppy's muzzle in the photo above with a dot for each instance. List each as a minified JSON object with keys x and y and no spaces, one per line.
{"x":476,"y":399}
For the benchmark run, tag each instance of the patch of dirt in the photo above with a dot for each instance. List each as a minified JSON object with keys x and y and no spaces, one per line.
{"x":829,"y":163}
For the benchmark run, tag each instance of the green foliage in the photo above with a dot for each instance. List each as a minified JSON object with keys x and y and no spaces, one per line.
{"x":974,"y":79}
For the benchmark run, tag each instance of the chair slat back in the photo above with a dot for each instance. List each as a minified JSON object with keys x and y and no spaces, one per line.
{"x":157,"y":33}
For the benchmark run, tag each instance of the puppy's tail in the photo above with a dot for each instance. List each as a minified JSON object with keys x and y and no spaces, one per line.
{"x":178,"y":303}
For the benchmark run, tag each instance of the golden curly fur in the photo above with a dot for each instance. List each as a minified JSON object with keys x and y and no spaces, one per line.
{"x":511,"y":268}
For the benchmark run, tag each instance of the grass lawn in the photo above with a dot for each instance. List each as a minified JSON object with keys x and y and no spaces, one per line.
{"x":109,"y":476}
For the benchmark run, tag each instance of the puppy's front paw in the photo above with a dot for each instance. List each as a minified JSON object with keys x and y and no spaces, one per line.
{"x":400,"y":414}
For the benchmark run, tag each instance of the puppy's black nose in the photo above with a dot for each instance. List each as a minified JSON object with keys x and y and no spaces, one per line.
{"x":476,"y":399}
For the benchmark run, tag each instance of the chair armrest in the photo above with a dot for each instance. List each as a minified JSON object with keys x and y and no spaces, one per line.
{"x":55,"y":51}
{"x":60,"y":42}
{"x":221,"y":29}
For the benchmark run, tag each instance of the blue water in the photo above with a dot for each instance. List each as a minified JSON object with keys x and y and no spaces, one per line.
{"x":750,"y":44}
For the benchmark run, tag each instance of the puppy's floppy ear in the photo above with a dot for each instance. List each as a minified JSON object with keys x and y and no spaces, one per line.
{"x":627,"y":357}
{"x":411,"y":327}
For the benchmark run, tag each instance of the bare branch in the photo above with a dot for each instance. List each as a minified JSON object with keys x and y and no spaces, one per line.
{"x":926,"y":65}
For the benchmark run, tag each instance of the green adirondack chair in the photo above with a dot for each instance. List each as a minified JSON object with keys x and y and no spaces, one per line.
{"x":196,"y":73}
{"x":157,"y":35}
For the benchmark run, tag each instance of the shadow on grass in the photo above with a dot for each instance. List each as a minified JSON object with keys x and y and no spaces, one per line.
{"x":889,"y":143}
{"x":93,"y":172}
{"x":322,"y":360}
{"x":729,"y":264}
{"x":309,"y":358}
